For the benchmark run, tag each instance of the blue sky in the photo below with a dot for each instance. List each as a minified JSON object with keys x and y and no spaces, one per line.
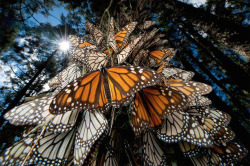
{"x":54,"y":18}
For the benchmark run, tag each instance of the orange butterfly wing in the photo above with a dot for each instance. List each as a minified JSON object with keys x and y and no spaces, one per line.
{"x":125,"y":81}
{"x":122,"y":36}
{"x":139,"y":115}
{"x":84,"y":93}
{"x":154,"y":104}
{"x":190,"y":88}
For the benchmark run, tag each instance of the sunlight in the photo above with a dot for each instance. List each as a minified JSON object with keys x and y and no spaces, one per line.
{"x":64,"y":46}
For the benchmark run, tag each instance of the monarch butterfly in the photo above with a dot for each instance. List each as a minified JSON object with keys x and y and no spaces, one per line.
{"x":53,"y":148}
{"x":221,"y":118}
{"x":152,"y":152}
{"x":230,"y":151}
{"x":176,"y":73}
{"x":144,"y":42}
{"x":212,"y":124}
{"x":174,"y":128}
{"x":188,"y":149}
{"x":64,"y":77}
{"x":98,"y":35}
{"x":197,"y":134}
{"x":92,"y":126}
{"x":153,"y":104}
{"x":36,"y":112}
{"x":56,"y":148}
{"x":27,"y":113}
{"x":156,"y":43}
{"x":123,"y":55}
{"x":96,"y":60}
{"x":111,"y":36}
{"x":122,"y":36}
{"x":207,"y":157}
{"x":200,"y":101}
{"x":108,"y":158}
{"x":89,"y":92}
{"x":139,"y":57}
{"x":159,"y":56}
{"x":148,"y":24}
{"x":225,"y":134}
{"x":78,"y":42}
{"x":190,"y":88}
{"x":165,"y":63}
{"x":79,"y":55}
{"x":16,"y":154}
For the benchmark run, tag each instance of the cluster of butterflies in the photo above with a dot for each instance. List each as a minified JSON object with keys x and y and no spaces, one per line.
{"x":125,"y":108}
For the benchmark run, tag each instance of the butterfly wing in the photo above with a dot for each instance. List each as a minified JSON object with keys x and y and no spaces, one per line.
{"x":230,"y":151}
{"x":75,"y":40}
{"x":197,"y":134}
{"x":176,"y":73}
{"x":98,"y":35}
{"x":91,"y":128}
{"x":108,"y":158}
{"x":111,"y":36}
{"x":64,"y":77}
{"x":122,"y":36}
{"x":148,"y":24}
{"x":140,"y":119}
{"x":188,"y":149}
{"x":174,"y":128}
{"x":158,"y":56}
{"x":53,"y":149}
{"x":152,"y":152}
{"x":191,"y":89}
{"x":207,"y":157}
{"x":225,"y":134}
{"x":96,"y":60}
{"x":62,"y":122}
{"x":84,"y":93}
{"x":200,"y":101}
{"x":125,"y":81}
{"x":16,"y":154}
{"x":29,"y":113}
{"x":123,"y":55}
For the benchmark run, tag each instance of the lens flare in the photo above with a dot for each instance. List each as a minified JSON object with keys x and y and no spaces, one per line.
{"x":64,"y":46}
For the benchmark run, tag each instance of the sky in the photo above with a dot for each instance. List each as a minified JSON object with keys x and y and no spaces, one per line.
{"x":54,"y":18}
{"x":196,"y":3}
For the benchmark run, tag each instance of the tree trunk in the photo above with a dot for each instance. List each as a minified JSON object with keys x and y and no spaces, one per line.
{"x":238,"y":75}
{"x":23,"y":91}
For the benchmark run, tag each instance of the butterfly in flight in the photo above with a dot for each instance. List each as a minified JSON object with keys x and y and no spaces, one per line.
{"x":89,"y":92}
